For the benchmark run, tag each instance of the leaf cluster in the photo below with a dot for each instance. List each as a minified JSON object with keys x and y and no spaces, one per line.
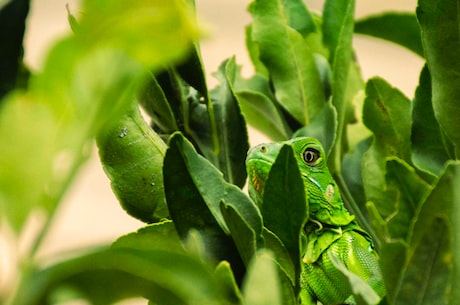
{"x":206,"y":241}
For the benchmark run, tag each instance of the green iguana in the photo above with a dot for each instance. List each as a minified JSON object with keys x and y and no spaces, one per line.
{"x":330,"y":228}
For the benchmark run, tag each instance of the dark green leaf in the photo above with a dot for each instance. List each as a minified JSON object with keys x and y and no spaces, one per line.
{"x":393,"y":258}
{"x":186,"y":203}
{"x":352,"y":172}
{"x":155,"y":102}
{"x":232,"y":138}
{"x":12,"y":27}
{"x":288,"y":58}
{"x":284,"y":207}
{"x":193,"y":204}
{"x":427,"y":277}
{"x":246,"y":239}
{"x":132,"y":157}
{"x":437,"y":225}
{"x":440,"y":24}
{"x":430,"y":147}
{"x":400,"y":28}
{"x":192,"y":71}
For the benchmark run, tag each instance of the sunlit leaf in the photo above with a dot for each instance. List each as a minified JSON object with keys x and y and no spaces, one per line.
{"x":289,"y":60}
{"x":261,"y":285}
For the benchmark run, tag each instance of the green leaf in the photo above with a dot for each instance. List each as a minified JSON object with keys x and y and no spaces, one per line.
{"x":263,"y":114}
{"x":194,"y":205}
{"x":431,"y":149}
{"x":254,"y":52}
{"x":261,"y":285}
{"x":408,"y":189}
{"x":397,"y":27}
{"x":338,"y":21}
{"x":132,"y":157}
{"x":352,"y":172}
{"x":436,"y":233}
{"x":260,"y":108}
{"x":192,"y":72}
{"x":427,"y":277}
{"x":288,"y":58}
{"x":322,"y":128}
{"x":281,"y":255}
{"x":243,"y":235}
{"x":387,"y":114}
{"x":12,"y":27}
{"x":230,"y":154}
{"x":160,"y":235}
{"x":188,"y":207}
{"x":162,"y":276}
{"x":439,"y":22}
{"x":154,"y":101}
{"x":226,"y":279}
{"x":284,"y":207}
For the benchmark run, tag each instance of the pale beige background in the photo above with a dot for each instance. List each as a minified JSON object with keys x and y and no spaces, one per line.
{"x":90,"y":213}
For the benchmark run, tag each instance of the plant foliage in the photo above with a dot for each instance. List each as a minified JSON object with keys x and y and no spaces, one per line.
{"x":182,"y":170}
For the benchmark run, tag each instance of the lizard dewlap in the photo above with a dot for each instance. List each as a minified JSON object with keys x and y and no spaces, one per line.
{"x":332,"y":233}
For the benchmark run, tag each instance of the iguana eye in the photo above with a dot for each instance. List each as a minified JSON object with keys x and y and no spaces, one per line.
{"x":310,"y":155}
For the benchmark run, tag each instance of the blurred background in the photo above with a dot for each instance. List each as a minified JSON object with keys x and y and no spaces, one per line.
{"x":91,"y":214}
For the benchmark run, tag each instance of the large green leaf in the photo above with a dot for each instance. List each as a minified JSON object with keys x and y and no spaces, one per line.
{"x":440,"y":24}
{"x":400,"y":28}
{"x":288,"y":58}
{"x":338,"y":22}
{"x":263,"y":114}
{"x":431,"y":149}
{"x":387,"y":114}
{"x":284,"y":208}
{"x":107,"y":276}
{"x":132,"y":157}
{"x":194,"y":205}
{"x":431,"y":270}
{"x":229,"y":153}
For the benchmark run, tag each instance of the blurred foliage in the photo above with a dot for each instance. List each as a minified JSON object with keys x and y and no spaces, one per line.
{"x":206,"y":241}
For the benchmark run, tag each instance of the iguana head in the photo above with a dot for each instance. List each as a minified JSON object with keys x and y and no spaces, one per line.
{"x":325,"y":203}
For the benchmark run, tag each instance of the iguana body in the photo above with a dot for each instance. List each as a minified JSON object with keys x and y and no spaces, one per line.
{"x":330,"y":229}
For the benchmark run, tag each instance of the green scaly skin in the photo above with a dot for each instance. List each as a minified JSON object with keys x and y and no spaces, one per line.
{"x":330,"y":228}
